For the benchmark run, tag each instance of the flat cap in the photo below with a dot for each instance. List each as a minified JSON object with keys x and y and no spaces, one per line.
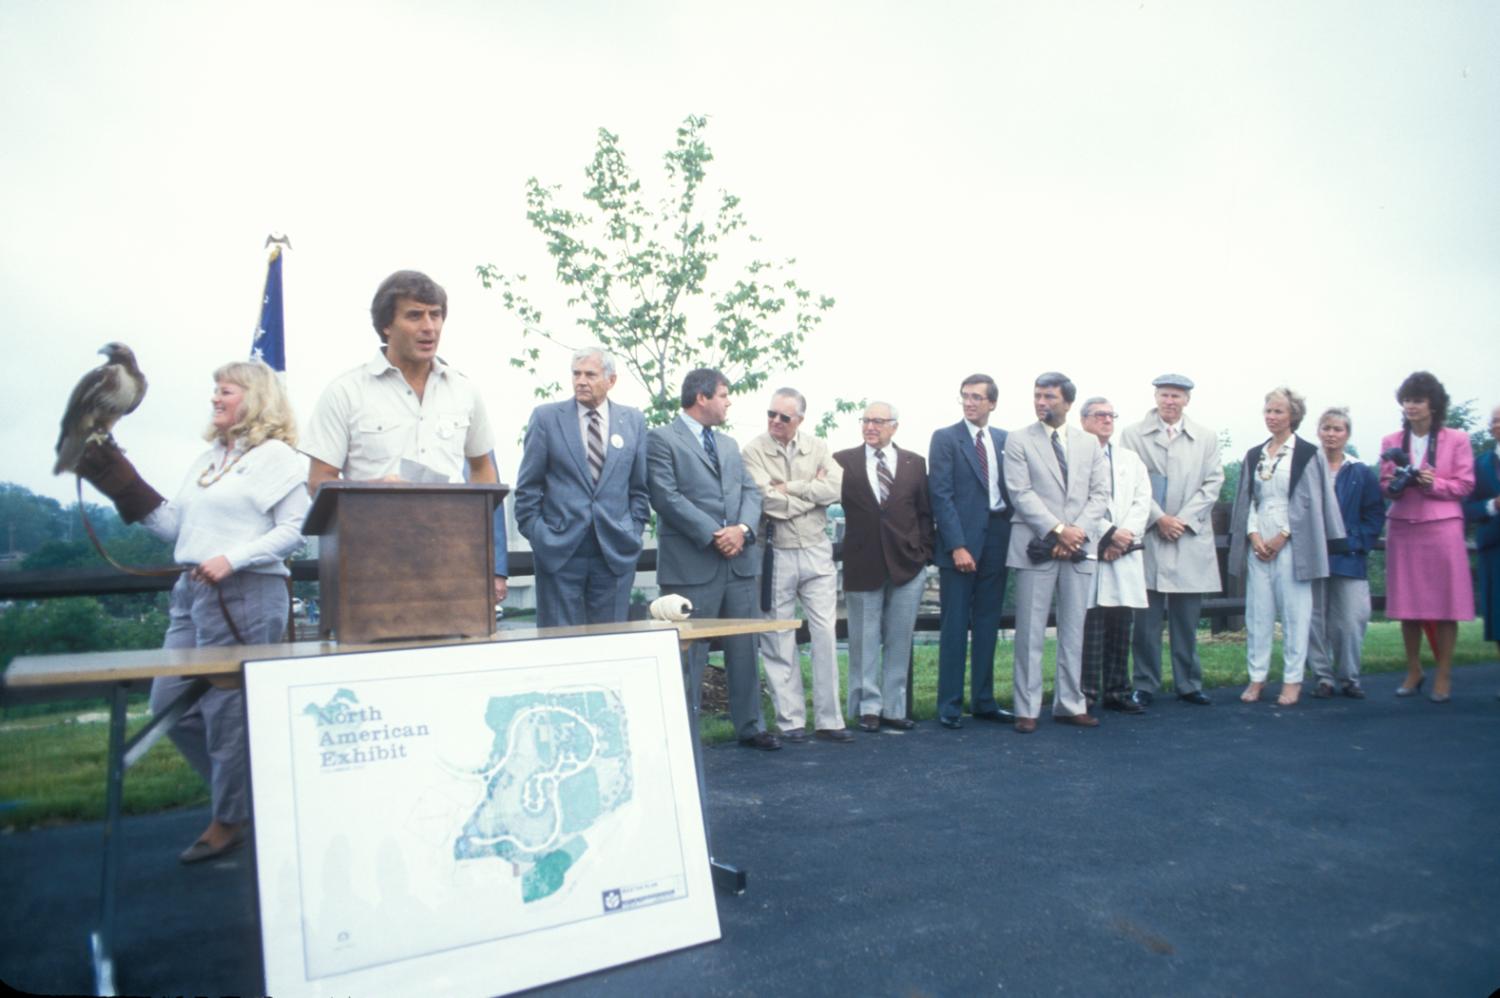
{"x":1174,"y":381}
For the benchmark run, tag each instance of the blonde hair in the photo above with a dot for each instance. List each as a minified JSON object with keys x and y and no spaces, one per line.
{"x":1296,"y":404}
{"x":265,"y":413}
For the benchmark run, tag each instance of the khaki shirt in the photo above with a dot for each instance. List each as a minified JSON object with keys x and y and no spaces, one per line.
{"x":801,"y":513}
{"x":369,"y":419}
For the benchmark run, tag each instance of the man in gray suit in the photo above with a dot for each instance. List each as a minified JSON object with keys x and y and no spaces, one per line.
{"x":1059,"y":484}
{"x":705,"y":503}
{"x":581,"y":498}
{"x":1182,"y":564}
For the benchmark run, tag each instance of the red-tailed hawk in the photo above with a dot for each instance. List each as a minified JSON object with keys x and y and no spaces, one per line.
{"x":101,"y":397}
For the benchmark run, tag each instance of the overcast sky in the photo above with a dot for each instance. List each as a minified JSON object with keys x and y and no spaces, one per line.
{"x":1248,"y":193}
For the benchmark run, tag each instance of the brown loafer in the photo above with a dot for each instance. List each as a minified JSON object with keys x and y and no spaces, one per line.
{"x":899,"y":723}
{"x":869,"y":722}
{"x":200,"y":851}
{"x":834,"y":735}
{"x":1081,"y":720}
{"x":1025,"y":725}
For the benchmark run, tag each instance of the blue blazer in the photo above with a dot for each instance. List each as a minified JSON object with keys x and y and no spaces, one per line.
{"x":557,"y":502}
{"x":1363,"y":508}
{"x":960,"y":496}
{"x":692,"y":502}
{"x":1486,"y":487}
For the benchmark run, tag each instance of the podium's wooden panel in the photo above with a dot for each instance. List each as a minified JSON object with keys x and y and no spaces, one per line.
{"x":402,"y":561}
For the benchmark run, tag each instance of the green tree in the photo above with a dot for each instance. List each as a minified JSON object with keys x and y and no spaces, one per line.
{"x":74,"y":624}
{"x":1467,"y":416}
{"x":666,"y":290}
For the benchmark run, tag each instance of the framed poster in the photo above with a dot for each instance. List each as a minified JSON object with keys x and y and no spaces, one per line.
{"x":474,"y":819}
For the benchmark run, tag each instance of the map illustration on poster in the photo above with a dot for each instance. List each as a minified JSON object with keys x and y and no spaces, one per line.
{"x":420,"y":812}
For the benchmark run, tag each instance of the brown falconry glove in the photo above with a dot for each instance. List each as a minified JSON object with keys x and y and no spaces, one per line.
{"x":105,"y":467}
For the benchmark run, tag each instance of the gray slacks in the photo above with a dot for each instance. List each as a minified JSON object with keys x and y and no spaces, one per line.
{"x":728,"y":595}
{"x":1181,"y":612}
{"x":880,"y":631}
{"x":582,"y":590}
{"x":211,"y":735}
{"x":1341,"y":612}
{"x":1034,"y":589}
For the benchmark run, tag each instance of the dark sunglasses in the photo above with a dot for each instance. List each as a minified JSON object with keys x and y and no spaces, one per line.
{"x":779,"y":415}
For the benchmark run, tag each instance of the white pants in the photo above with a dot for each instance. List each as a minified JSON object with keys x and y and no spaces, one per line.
{"x":1271,"y":591}
{"x":803,"y":575}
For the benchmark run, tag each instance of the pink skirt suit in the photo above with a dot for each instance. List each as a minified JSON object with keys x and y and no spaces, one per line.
{"x":1426,"y":563}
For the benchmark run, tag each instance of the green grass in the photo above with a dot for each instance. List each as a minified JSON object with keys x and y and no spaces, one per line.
{"x":52,"y":759}
{"x":1223,"y":658}
{"x":52,"y":768}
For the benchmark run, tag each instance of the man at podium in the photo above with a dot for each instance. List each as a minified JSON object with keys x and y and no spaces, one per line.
{"x":404,"y":415}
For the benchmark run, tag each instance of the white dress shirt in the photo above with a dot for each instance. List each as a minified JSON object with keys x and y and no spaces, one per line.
{"x":871,"y":466}
{"x":997,"y":504}
{"x":583,"y":423}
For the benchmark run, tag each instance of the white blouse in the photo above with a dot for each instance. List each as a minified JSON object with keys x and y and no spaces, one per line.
{"x":1268,"y":513}
{"x":251,"y":514}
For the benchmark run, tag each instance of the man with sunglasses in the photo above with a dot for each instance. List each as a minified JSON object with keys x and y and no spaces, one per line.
{"x":971,"y":510}
{"x":798,"y":481}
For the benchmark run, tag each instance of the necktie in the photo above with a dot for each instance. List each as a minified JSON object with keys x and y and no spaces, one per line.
{"x":711,"y":449}
{"x":1109,"y":453}
{"x":883,"y":473}
{"x":1171,"y":433}
{"x":984,"y":458}
{"x":596,"y":445}
{"x":1062,"y":458}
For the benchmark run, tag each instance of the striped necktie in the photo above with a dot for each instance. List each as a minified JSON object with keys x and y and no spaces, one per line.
{"x":596,"y":445}
{"x":1062,"y":458}
{"x":883,"y":474}
{"x":712,"y":450}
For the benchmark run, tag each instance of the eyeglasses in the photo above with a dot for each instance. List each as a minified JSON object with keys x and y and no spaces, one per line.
{"x":773,"y":414}
{"x":1101,"y":414}
{"x":973,"y":397}
{"x":873,"y":421}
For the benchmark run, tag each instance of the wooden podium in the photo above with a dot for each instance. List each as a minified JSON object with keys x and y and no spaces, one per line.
{"x":402,"y":561}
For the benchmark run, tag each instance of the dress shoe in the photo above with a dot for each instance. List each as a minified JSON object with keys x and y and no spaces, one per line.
{"x":1440,"y":697}
{"x":869,"y":722}
{"x":1354,"y":691}
{"x":899,"y":723}
{"x":763,"y":740}
{"x":1324,"y":690}
{"x":1081,"y":720}
{"x":951,"y":722}
{"x":794,"y":735}
{"x":1197,"y":697}
{"x":1143,"y":697}
{"x":834,"y":735}
{"x":1026,"y":725}
{"x":998,"y":715}
{"x":1411,"y":691}
{"x":1124,"y":704}
{"x":200,"y":851}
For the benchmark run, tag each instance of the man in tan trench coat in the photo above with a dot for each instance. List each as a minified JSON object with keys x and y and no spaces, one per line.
{"x":1183,"y":463}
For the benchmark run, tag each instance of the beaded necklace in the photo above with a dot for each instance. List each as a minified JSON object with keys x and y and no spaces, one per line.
{"x":204,"y":481}
{"x":1266,"y":474}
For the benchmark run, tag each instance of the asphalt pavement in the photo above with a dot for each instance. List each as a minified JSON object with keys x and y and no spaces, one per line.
{"x":1334,"y":848}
